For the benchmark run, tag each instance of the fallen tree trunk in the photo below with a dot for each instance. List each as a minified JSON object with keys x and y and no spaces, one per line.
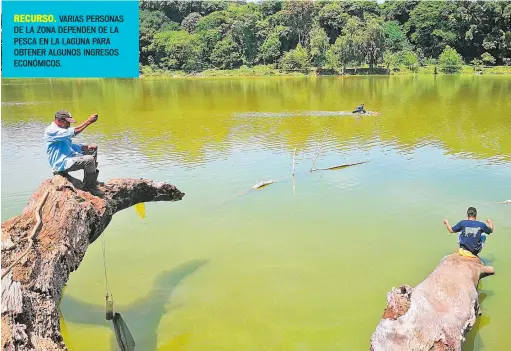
{"x":437,"y":313}
{"x":70,"y":219}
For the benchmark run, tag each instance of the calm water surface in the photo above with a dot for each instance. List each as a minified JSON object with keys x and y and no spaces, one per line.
{"x":231,"y":268}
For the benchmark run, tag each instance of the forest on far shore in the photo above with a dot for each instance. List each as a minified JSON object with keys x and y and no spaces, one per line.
{"x":193,"y":36}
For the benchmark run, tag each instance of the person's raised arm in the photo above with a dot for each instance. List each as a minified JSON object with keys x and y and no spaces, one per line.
{"x":446,"y":222}
{"x":93,"y":118}
{"x":490,"y":224}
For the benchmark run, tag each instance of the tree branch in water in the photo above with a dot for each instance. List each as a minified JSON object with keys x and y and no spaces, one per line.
{"x":71,"y":220}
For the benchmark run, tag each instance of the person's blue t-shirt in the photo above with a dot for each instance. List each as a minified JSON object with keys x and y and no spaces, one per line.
{"x":471,"y":232}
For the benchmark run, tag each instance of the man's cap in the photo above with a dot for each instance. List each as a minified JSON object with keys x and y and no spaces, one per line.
{"x":63,"y":114}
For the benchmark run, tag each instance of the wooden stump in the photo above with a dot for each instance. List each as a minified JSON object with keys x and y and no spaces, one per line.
{"x":437,"y":313}
{"x":71,"y":220}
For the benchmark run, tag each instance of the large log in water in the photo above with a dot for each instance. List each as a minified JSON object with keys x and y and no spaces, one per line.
{"x":70,"y":219}
{"x":437,"y":313}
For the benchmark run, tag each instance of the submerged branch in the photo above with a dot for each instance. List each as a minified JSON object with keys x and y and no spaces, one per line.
{"x":339,"y":166}
{"x":263,"y":184}
{"x":319,"y":149}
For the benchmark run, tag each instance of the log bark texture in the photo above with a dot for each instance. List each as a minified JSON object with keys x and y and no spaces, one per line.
{"x":71,"y":220}
{"x":437,"y":313}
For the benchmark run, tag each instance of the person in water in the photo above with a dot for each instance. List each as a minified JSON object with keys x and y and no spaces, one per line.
{"x":64,"y":156}
{"x":473,"y":233}
{"x":359,"y":109}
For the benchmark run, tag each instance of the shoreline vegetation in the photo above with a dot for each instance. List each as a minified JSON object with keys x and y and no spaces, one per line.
{"x":221,"y":38}
{"x":273,"y":71}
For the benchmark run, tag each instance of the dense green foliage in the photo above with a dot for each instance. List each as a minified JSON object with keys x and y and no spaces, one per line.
{"x":296,"y":59}
{"x":294,"y":35}
{"x":450,"y":61}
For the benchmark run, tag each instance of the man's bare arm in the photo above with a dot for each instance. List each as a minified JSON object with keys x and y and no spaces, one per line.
{"x":490,"y":224}
{"x":93,"y":118}
{"x":449,"y":228}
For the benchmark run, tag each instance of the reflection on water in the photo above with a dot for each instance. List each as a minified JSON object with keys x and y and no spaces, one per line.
{"x":482,"y":321}
{"x":282,"y":260}
{"x":301,"y":114}
{"x":466,"y":115}
{"x":23,"y":103}
{"x":142,"y":317}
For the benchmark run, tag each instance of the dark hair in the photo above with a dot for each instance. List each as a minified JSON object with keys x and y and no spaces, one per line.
{"x":472,"y":212}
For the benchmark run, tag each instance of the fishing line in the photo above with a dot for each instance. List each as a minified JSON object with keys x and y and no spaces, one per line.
{"x":122,"y":333}
{"x":108,"y":291}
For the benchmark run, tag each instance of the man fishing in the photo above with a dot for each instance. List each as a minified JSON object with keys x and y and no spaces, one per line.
{"x":359,"y":109}
{"x":64,"y":156}
{"x":473,"y":233}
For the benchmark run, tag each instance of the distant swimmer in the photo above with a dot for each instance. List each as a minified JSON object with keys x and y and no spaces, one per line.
{"x":360,"y":109}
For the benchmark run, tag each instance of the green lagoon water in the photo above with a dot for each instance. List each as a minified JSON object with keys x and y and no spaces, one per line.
{"x":231,"y":268}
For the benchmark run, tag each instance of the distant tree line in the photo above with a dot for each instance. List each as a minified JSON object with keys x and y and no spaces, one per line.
{"x":295,"y":35}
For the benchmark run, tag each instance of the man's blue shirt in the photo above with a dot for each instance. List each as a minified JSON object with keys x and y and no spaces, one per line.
{"x":470,"y":237}
{"x":59,"y":146}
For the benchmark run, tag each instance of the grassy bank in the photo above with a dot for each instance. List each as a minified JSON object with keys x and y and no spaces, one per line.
{"x":243,"y":71}
{"x":466,"y":70}
{"x":270,"y":70}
